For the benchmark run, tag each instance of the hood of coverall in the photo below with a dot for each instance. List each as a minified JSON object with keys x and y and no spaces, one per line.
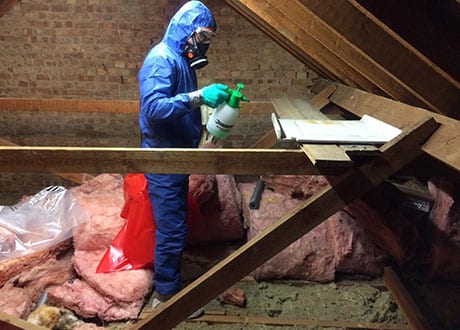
{"x":191,"y":16}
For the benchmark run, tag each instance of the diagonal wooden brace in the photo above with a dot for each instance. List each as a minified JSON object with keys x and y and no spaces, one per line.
{"x":351,"y":185}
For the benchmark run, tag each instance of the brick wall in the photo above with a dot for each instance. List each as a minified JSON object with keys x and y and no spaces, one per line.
{"x":93,"y":49}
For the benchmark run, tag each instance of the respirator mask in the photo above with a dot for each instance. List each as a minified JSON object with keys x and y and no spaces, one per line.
{"x":196,"y":48}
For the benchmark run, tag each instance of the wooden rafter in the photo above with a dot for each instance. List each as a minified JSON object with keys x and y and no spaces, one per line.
{"x":437,"y":89}
{"x":350,"y":44}
{"x":442,"y":145}
{"x":297,"y":38}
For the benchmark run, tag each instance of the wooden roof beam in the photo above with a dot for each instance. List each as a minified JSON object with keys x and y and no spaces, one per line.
{"x":296,"y":37}
{"x":426,"y":84}
{"x":15,"y":159}
{"x":442,"y":145}
{"x":356,"y":48}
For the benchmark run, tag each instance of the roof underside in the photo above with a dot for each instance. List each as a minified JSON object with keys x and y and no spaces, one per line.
{"x":412,"y":57}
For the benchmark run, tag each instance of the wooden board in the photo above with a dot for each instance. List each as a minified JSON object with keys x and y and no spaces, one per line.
{"x":160,"y":160}
{"x":408,"y":306}
{"x":58,"y":105}
{"x":353,"y":184}
{"x":74,"y":177}
{"x":326,"y":155}
{"x":298,"y":323}
{"x":443,"y":145}
{"x":8,"y":322}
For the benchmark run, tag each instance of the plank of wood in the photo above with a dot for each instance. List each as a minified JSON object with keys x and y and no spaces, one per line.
{"x":355,"y":150}
{"x":9,"y":322}
{"x":276,"y":321}
{"x":325,"y":155}
{"x":155,"y":160}
{"x":60,"y":105}
{"x":353,"y":184}
{"x":404,"y":300}
{"x":266,"y":142}
{"x":109,"y":106}
{"x":442,"y":145}
{"x":73,"y":177}
{"x":406,"y":63}
{"x":319,"y":154}
{"x":322,"y":98}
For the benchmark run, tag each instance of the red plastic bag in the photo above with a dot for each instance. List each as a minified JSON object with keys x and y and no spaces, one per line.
{"x":133,"y":247}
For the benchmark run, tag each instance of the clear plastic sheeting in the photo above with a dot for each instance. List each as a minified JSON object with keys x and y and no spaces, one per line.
{"x":38,"y":222}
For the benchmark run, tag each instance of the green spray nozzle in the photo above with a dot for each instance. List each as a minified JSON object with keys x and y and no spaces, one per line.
{"x":236,"y":96}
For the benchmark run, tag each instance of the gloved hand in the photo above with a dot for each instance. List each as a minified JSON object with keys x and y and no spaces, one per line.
{"x":214,"y":94}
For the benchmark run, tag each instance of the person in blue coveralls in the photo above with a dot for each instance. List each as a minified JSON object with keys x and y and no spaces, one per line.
{"x":170,"y":117}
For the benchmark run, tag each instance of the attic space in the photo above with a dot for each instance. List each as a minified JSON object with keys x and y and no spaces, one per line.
{"x":331,"y":200}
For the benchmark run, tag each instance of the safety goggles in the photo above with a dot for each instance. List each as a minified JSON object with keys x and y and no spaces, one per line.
{"x":204,"y":35}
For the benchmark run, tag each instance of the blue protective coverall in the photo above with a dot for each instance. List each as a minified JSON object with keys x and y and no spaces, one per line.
{"x":167,"y":121}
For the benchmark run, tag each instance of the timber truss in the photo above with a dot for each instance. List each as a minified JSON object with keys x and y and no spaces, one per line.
{"x":423,"y":132}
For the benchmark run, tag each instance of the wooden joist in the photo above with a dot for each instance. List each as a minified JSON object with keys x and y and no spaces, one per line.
{"x":162,"y":160}
{"x":353,"y":184}
{"x":276,"y":321}
{"x":404,"y":300}
{"x":74,"y":177}
{"x":343,"y":39}
{"x":8,"y":322}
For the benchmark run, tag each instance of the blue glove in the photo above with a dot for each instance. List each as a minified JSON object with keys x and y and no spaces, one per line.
{"x":215,"y":94}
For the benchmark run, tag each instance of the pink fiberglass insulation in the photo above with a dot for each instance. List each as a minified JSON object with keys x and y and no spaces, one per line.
{"x":135,"y":283}
{"x":310,"y":257}
{"x":85,"y":301}
{"x":445,"y":229}
{"x":221,"y":211}
{"x":102,"y":199}
{"x":336,"y":245}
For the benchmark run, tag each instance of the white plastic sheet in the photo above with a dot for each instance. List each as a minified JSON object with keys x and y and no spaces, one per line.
{"x":36,"y":223}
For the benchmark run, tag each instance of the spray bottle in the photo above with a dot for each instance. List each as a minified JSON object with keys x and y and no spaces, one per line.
{"x":226,"y":115}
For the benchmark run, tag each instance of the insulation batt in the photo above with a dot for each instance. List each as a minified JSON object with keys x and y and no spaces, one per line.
{"x":102,"y":198}
{"x":445,"y":231}
{"x":20,"y":293}
{"x":99,"y":294}
{"x":336,"y":245}
{"x":220,"y":204}
{"x":221,"y":210}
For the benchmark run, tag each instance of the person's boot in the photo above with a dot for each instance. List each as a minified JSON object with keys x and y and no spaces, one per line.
{"x":159,"y":299}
